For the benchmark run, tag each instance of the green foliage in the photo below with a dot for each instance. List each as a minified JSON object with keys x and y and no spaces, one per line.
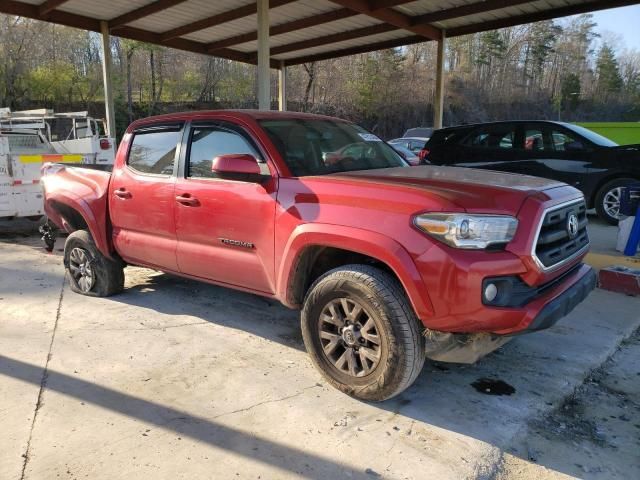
{"x":570,"y":90}
{"x":542,"y":42}
{"x":52,"y":82}
{"x":527,"y":71}
{"x":492,"y":46}
{"x":609,"y":79}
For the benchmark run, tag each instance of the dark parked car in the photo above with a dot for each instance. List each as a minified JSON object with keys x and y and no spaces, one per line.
{"x":558,"y":151}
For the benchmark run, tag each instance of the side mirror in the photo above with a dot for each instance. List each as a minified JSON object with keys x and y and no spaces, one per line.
{"x":237,"y":166}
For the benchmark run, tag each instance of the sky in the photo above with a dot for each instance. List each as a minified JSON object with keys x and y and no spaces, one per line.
{"x":624,"y":21}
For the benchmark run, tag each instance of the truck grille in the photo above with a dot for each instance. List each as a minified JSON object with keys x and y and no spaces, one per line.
{"x":556,"y":244}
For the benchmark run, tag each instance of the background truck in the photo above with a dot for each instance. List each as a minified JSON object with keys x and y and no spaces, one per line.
{"x":25,"y":145}
{"x":67,"y":133}
{"x":389,"y":264}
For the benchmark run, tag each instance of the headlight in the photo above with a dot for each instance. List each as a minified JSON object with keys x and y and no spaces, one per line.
{"x":468,"y":231}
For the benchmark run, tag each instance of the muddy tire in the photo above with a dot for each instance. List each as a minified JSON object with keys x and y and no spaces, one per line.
{"x":362,"y":333}
{"x":607,"y":201}
{"x":87,"y":270}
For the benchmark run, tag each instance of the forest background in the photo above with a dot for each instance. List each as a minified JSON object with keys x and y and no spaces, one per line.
{"x":546,"y":70}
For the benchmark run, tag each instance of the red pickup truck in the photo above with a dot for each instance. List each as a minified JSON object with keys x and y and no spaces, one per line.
{"x":389,"y":264}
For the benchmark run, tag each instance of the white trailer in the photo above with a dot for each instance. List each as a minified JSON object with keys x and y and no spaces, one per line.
{"x":71,"y":132}
{"x":22,"y":154}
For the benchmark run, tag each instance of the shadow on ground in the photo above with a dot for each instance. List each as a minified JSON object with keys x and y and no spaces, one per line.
{"x":536,"y":366}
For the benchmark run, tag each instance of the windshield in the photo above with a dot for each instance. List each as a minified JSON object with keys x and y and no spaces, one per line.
{"x":593,"y":136}
{"x":320,"y":147}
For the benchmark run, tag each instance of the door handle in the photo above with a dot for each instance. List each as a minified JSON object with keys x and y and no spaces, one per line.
{"x":187,"y":199}
{"x":122,"y":193}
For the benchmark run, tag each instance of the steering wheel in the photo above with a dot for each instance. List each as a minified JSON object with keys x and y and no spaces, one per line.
{"x":346,"y":163}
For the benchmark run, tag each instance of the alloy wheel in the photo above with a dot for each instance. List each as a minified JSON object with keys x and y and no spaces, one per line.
{"x":81,"y":269}
{"x":349,"y":337}
{"x":611,"y":202}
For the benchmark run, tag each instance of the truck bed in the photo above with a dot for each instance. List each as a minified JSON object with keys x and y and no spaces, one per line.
{"x":82,"y":189}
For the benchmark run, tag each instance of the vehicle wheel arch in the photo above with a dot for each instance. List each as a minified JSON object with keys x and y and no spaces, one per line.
{"x":316,"y":260}
{"x":591,"y":201}
{"x":315,"y":249}
{"x":73,"y":216}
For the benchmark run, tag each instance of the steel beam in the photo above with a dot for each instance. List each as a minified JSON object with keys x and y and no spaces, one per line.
{"x":438,"y":101}
{"x":142,"y":12}
{"x":219,"y":19}
{"x":282,"y":87}
{"x":49,"y":5}
{"x":106,"y":78}
{"x":392,"y":17}
{"x":292,"y":26}
{"x":264,"y":71}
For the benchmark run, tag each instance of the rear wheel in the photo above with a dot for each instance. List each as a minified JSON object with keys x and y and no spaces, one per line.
{"x":361,"y":332}
{"x":608,"y":199}
{"x":88,"y":271}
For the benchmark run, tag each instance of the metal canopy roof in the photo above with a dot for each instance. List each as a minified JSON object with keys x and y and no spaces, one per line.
{"x":300,"y":30}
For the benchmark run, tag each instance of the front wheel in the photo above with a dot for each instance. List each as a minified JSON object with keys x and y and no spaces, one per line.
{"x":361,"y":332}
{"x":89,"y":272}
{"x":608,"y":199}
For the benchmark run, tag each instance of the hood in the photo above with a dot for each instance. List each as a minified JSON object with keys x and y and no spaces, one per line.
{"x":480,"y":191}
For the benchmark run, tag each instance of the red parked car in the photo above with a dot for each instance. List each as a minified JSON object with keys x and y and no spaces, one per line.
{"x":389,"y":264}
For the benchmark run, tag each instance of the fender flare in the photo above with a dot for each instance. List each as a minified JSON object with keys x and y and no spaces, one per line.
{"x":365,"y":242}
{"x":97,"y":224}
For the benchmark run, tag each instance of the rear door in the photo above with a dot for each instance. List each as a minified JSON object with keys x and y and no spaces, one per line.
{"x":142,"y":200}
{"x":226,"y":227}
{"x":553,"y":152}
{"x":491,"y":147}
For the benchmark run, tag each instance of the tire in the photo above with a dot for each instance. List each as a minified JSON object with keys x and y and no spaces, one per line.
{"x":604,"y":196}
{"x":83,"y":260}
{"x":376,"y":372}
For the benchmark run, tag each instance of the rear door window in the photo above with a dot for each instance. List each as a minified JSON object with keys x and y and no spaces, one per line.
{"x":534,"y":140}
{"x":153,"y":151}
{"x":492,"y":136}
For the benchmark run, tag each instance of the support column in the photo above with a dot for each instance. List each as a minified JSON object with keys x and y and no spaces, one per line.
{"x":264,"y":72}
{"x":106,"y":78}
{"x":282,"y":87}
{"x":438,"y":104}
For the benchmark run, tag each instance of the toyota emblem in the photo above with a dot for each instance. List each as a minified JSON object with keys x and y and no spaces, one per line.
{"x":572,"y":225}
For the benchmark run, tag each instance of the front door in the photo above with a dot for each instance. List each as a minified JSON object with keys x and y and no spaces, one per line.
{"x":225,"y":227}
{"x":142,"y":200}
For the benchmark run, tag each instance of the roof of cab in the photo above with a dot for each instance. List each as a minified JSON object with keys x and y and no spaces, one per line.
{"x":238,"y":114}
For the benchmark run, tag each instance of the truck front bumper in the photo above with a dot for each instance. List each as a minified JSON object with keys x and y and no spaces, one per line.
{"x":470,"y":347}
{"x":565,"y":302}
{"x":455,"y":283}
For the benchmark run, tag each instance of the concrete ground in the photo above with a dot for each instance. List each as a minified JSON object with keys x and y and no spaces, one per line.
{"x":176,"y":379}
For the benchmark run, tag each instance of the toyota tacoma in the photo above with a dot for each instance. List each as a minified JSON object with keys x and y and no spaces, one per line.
{"x":388,"y":264}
